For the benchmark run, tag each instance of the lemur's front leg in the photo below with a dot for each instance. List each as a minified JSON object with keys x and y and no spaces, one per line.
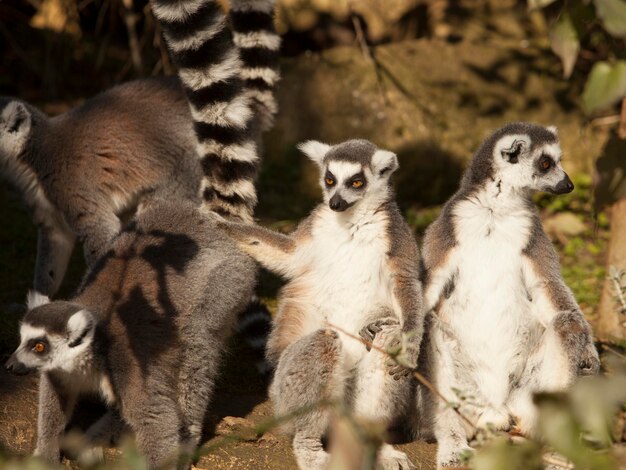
{"x":55,"y":409}
{"x":272,"y":249}
{"x":54,"y":248}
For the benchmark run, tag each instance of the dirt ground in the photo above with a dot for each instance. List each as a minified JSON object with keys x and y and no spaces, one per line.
{"x":233,"y":413}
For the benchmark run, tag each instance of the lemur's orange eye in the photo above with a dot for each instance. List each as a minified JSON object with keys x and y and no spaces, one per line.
{"x":39,"y":347}
{"x":330,"y":181}
{"x":357,"y":183}
{"x":545,"y":163}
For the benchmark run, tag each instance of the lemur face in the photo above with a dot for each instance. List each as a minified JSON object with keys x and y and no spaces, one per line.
{"x":15,"y":126}
{"x":351,"y":172}
{"x":53,"y":337}
{"x":532,"y":162}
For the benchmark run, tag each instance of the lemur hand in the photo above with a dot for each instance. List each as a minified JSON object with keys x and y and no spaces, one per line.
{"x":368,"y":332}
{"x":589,"y":363}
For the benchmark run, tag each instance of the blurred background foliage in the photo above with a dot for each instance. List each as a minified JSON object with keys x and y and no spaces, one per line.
{"x":428,"y":79}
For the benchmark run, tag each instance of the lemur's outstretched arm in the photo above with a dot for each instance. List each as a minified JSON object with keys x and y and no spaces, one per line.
{"x":554,"y":304}
{"x":273,"y":250}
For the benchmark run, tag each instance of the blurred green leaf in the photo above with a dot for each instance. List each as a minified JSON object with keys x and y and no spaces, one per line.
{"x":560,"y":427}
{"x":605,"y":86}
{"x":613,"y":15}
{"x":565,"y":43}
{"x":501,"y":454}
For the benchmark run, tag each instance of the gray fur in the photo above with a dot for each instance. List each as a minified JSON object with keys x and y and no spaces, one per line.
{"x":553,"y":338}
{"x":164,"y":300}
{"x":310,"y":357}
{"x":81,"y":171}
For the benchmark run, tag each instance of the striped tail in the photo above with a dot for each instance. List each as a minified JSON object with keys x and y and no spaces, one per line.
{"x":254,"y":326}
{"x":259,"y":46}
{"x":210,"y":68}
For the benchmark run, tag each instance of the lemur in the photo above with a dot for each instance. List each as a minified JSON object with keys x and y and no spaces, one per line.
{"x":505,"y":325}
{"x":352,"y":264}
{"x":82,"y":171}
{"x":146,"y":331}
{"x":197,"y":25}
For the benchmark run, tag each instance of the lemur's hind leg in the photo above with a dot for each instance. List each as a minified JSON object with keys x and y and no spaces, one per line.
{"x":451,"y":434}
{"x":55,"y":242}
{"x":95,"y":230}
{"x":565,"y":352}
{"x":309,"y":371}
{"x":384,"y":391}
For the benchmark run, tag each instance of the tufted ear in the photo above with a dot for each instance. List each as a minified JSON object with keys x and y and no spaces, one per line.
{"x":384,"y":163}
{"x":16,"y":119}
{"x":553,"y":130}
{"x":35,"y":299}
{"x":78,"y":327}
{"x":315,"y":150}
{"x":511,"y":154}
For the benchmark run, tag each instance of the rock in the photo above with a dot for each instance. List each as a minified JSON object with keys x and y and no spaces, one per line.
{"x":564,"y":224}
{"x":432,"y":102}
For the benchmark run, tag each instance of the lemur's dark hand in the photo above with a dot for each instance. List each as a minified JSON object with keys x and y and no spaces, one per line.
{"x":368,"y":333}
{"x":589,"y":363}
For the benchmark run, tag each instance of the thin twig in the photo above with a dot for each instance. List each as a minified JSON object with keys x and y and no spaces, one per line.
{"x":611,"y":350}
{"x":423,"y":380}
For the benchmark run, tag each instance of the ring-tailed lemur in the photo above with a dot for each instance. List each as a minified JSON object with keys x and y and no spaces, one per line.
{"x":146,"y":331}
{"x":353,"y":263}
{"x":81,"y":171}
{"x":505,"y":323}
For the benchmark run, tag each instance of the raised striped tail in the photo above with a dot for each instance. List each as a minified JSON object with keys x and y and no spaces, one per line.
{"x":254,"y":326}
{"x":210,"y":68}
{"x":259,"y":45}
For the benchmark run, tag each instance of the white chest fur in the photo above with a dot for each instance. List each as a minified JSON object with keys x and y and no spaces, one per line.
{"x":488,"y":312}
{"x":345,"y":272}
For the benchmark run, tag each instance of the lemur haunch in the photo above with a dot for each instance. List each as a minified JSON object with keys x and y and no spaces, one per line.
{"x":352,"y":263}
{"x":81,"y":171}
{"x":505,"y":325}
{"x":146,"y":331}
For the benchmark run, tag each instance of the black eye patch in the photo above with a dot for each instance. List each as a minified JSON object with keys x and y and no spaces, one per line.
{"x":545,"y":163}
{"x":32,"y":342}
{"x":358,"y":181}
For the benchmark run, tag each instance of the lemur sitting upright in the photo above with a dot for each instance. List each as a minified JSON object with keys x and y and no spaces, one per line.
{"x":146,"y":331}
{"x":505,"y":325}
{"x":79,"y":172}
{"x":353,"y":263}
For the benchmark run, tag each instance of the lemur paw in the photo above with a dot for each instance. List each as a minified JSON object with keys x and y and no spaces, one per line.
{"x":589,"y":363}
{"x":453,"y":458}
{"x":369,"y":332}
{"x":392,"y":459}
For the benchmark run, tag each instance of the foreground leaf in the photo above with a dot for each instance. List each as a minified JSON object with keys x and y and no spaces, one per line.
{"x":565,"y":43}
{"x":605,"y":85}
{"x":613,"y":15}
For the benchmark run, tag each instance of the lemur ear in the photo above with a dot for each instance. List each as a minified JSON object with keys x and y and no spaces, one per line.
{"x":384,"y":163}
{"x":315,"y":150}
{"x":512,"y":153}
{"x":553,"y":130}
{"x":78,"y":326}
{"x":35,"y":299}
{"x":16,"y":118}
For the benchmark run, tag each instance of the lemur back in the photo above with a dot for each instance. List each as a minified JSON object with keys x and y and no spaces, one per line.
{"x":504,"y":324}
{"x":351,"y":269}
{"x":146,"y":330}
{"x":139,"y":139}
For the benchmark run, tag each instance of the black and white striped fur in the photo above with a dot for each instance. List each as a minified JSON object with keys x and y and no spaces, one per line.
{"x":226,"y":89}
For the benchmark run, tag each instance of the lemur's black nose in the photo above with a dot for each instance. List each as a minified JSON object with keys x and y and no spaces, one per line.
{"x":338,"y":204}
{"x":564,"y":186}
{"x":15,"y":367}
